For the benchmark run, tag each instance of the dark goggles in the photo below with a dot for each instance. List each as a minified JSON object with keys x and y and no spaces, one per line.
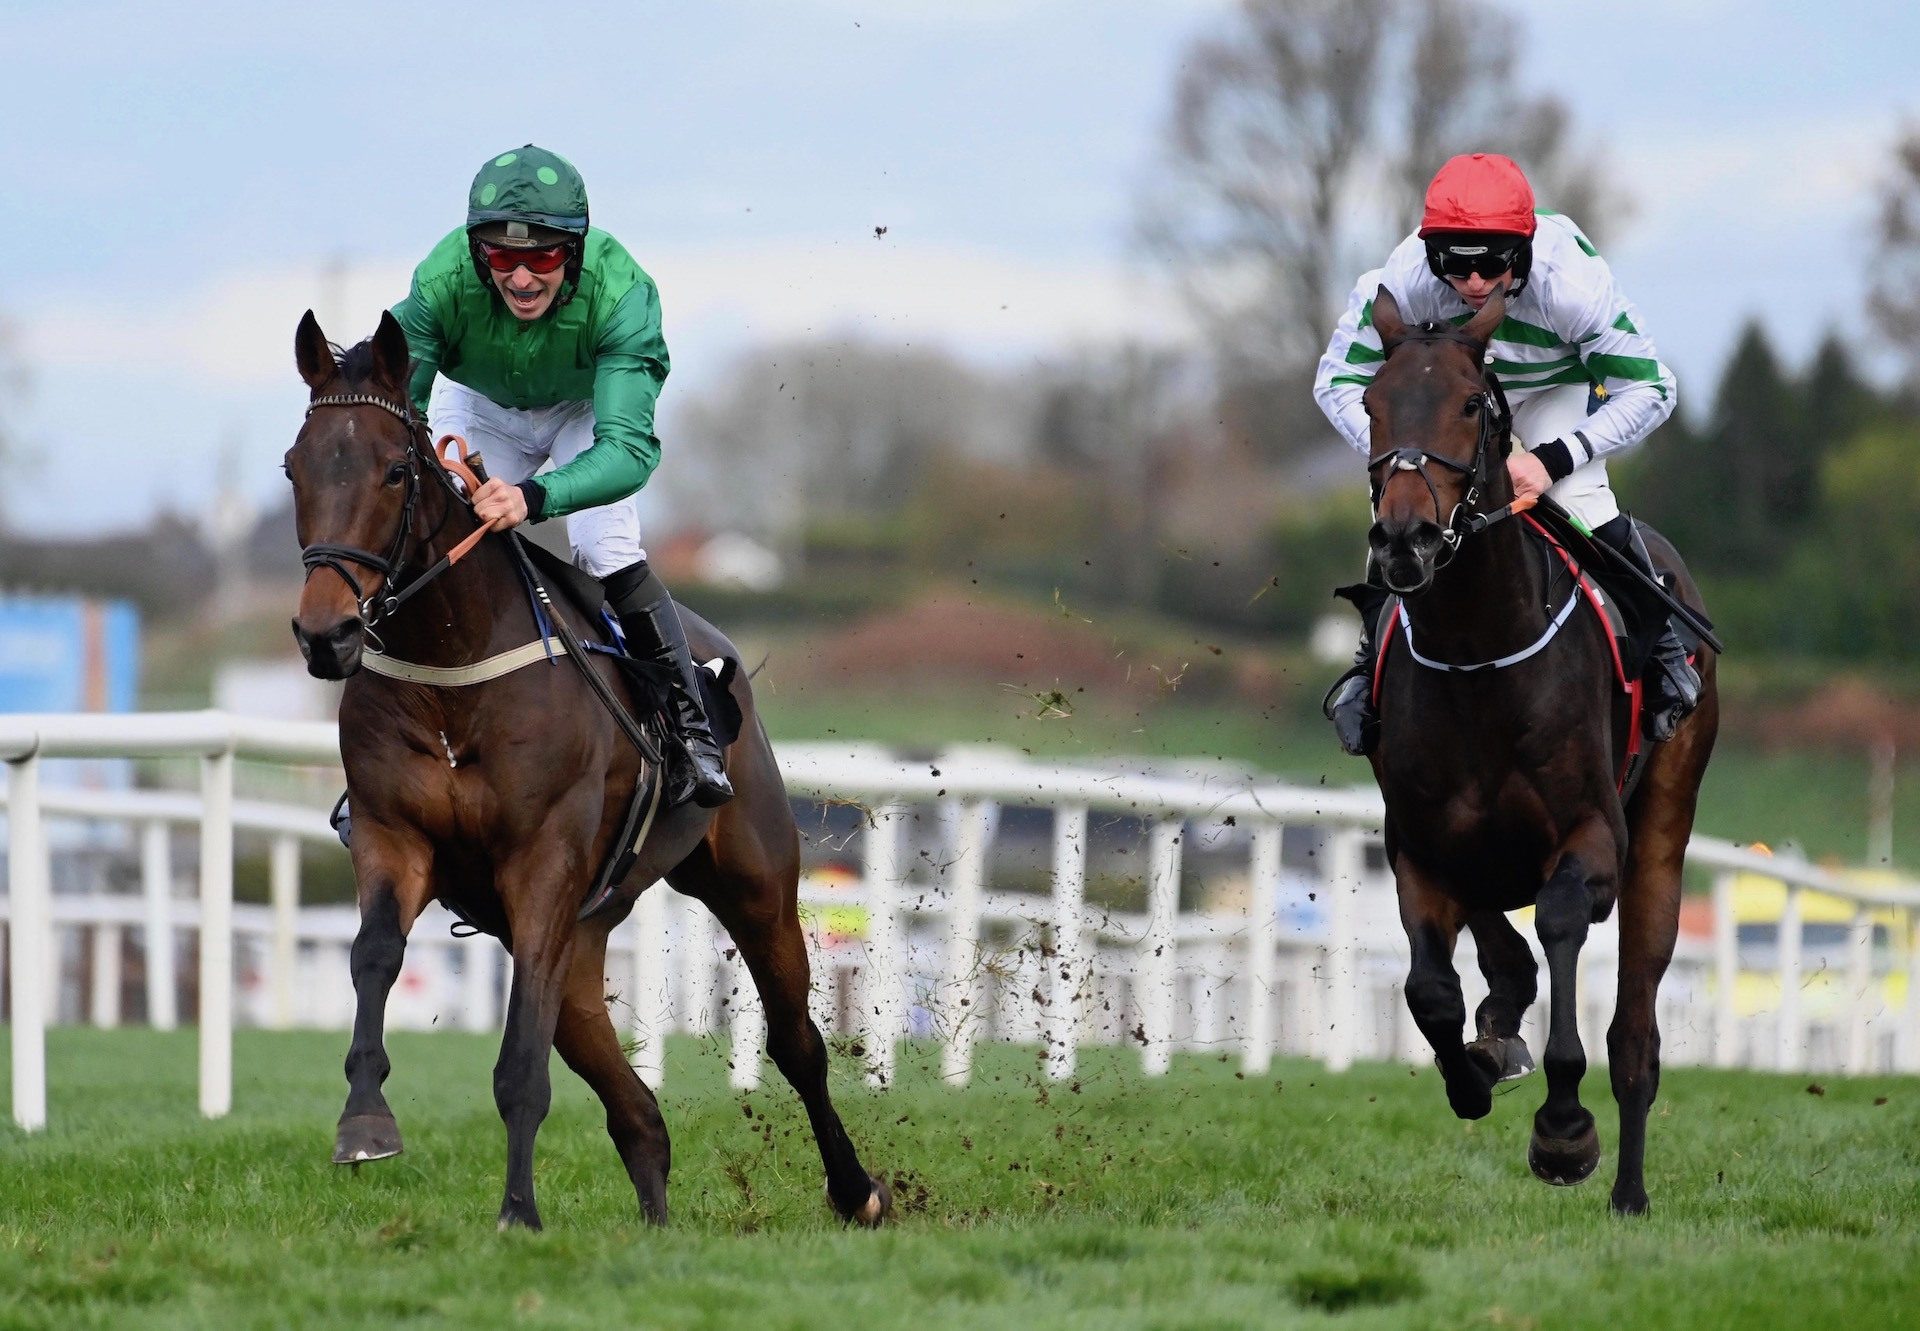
{"x":1463,"y":261}
{"x":505,"y":258}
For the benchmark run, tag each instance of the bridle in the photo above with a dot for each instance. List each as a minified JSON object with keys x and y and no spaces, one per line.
{"x":338,"y":557}
{"x":1496,"y":424}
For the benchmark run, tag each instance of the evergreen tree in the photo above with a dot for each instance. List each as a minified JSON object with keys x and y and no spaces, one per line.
{"x":1757,"y":462}
{"x":1837,"y":403}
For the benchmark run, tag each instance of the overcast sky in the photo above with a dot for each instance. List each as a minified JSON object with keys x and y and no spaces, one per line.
{"x":180,"y":189}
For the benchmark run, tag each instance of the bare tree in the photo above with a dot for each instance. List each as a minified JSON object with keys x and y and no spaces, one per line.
{"x":1114,"y":421}
{"x":1301,"y":140}
{"x":1896,"y":260}
{"x":824,"y":429}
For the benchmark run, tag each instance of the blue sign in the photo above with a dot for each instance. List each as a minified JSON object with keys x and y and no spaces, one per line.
{"x":68,"y":655}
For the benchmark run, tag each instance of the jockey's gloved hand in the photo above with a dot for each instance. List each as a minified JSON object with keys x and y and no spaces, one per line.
{"x":1556,"y":456}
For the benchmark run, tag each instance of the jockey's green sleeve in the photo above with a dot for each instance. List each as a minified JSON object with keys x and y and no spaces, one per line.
{"x":603,"y":346}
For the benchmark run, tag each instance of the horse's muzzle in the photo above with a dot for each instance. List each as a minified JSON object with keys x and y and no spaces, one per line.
{"x":332,"y":653}
{"x":1404,"y":553}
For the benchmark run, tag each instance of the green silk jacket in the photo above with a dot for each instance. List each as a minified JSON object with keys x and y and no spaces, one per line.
{"x":604,"y":345}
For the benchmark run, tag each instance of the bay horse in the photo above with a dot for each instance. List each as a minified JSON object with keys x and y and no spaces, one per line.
{"x":502,"y":798}
{"x":1500,"y":784}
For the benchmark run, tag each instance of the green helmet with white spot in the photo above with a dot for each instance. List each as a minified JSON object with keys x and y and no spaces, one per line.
{"x":527,"y":197}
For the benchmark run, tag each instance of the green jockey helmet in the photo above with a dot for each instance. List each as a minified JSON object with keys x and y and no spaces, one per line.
{"x":528,"y":198}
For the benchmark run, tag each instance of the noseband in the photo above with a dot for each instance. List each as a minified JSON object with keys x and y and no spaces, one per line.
{"x":337,"y":557}
{"x":1496,"y":422}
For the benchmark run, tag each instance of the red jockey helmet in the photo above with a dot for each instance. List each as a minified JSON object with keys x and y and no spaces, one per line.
{"x":1479,"y":192}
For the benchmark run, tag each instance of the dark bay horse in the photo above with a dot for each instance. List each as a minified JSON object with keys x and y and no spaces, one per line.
{"x":1500,"y":783}
{"x":502,"y":798}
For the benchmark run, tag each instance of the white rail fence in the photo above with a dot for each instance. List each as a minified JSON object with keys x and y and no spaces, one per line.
{"x":989,"y":898}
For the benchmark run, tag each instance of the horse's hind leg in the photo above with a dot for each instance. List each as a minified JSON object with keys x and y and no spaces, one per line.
{"x":747,"y":873}
{"x":1433,"y":919}
{"x":1507,"y":963}
{"x":1649,"y":923}
{"x":393,"y":872}
{"x":588,"y":1042}
{"x":1565,"y":1147}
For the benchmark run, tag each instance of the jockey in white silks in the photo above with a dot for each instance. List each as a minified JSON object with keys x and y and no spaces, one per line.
{"x":1572,"y":355}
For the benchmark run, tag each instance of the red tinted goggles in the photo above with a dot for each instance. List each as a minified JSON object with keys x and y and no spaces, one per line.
{"x":504,"y":258}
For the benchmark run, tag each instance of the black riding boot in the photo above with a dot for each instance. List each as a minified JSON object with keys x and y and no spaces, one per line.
{"x":1349,"y":703}
{"x":652,"y":625}
{"x":1671,"y":684}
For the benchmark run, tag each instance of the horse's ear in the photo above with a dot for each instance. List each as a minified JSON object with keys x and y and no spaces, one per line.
{"x":1480,"y":327}
{"x":391,"y":359}
{"x":1386,"y":318}
{"x":312,"y":354}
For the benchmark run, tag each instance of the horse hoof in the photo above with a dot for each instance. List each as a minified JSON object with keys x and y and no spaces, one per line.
{"x":1564,"y":1162}
{"x":878,"y":1206}
{"x":1629,"y":1204}
{"x":1501,"y":1057}
{"x":1469,"y":1089}
{"x":364,"y":1137}
{"x":871,"y":1213}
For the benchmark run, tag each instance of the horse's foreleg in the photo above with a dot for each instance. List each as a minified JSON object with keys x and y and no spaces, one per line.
{"x":1565,"y":1147}
{"x":393,"y":874}
{"x":1433,"y":919}
{"x":543,"y":934}
{"x":586,"y":1039}
{"x":1512,"y":983}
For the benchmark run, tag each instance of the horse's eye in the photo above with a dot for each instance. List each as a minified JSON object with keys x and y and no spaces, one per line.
{"x":396,"y":473}
{"x":1473,"y":406}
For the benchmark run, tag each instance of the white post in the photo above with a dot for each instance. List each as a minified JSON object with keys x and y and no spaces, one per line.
{"x":884,"y":978}
{"x":476,"y":983}
{"x":106,"y":975}
{"x":1071,"y":986}
{"x":696,"y":966}
{"x":29,"y":937}
{"x":651,"y":985}
{"x":216,"y":934}
{"x":1910,"y":1028}
{"x":1157,"y":975}
{"x":156,"y":883}
{"x":749,"y":1026}
{"x":1263,"y":939}
{"x":1788,"y":1039}
{"x":961,"y":992}
{"x":283,"y":890}
{"x":1341,"y":967}
{"x":1726,"y":973}
{"x":1863,"y":996}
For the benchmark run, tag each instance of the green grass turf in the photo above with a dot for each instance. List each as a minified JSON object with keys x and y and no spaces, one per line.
{"x":1196,"y":1200}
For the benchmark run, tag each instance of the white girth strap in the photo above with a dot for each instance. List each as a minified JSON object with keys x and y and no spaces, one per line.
{"x":1566,"y":612}
{"x":448,"y":677}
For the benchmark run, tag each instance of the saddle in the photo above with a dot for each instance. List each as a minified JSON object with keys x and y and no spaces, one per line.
{"x":559,"y":578}
{"x":586,"y":594}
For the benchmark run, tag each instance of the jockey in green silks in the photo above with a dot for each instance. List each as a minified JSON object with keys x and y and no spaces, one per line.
{"x":545,"y":335}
